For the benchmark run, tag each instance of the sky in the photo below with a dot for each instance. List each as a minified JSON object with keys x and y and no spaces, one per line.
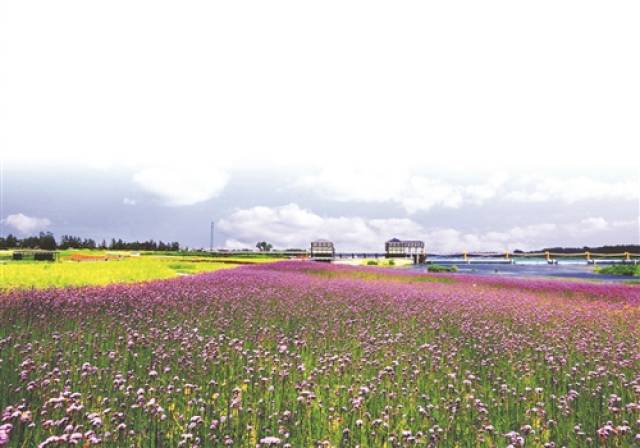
{"x":493,"y":125}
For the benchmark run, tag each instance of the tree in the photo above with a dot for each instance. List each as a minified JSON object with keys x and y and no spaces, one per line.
{"x":44,"y":241}
{"x":263,"y":246}
{"x":12,"y":241}
{"x":47,"y":241}
{"x":9,"y":242}
{"x":70,"y":242}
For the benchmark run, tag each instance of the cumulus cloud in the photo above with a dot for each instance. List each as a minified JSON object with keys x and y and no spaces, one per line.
{"x":520,"y":237}
{"x":419,"y":192}
{"x":397,"y":184}
{"x":292,"y":226}
{"x":128,"y":201}
{"x":629,"y":230}
{"x":588,"y":231}
{"x":177,"y":186}
{"x":26,"y":224}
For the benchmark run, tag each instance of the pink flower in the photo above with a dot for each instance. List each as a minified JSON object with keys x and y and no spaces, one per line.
{"x":270,"y":440}
{"x":5,"y":430}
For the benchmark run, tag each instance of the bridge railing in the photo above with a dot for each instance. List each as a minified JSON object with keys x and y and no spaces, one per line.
{"x":465,"y":255}
{"x":547,"y":255}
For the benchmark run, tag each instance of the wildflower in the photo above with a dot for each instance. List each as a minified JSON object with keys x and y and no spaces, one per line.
{"x":270,"y":440}
{"x":606,"y":431}
{"x":5,"y":430}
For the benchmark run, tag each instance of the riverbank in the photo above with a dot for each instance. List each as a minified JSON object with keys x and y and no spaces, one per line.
{"x":562,"y":271}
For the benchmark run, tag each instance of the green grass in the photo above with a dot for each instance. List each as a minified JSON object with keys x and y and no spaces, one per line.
{"x":63,"y":273}
{"x":379,"y":263}
{"x":384,"y":262}
{"x":620,"y":269}
{"x":255,"y":256}
{"x":252,"y":257}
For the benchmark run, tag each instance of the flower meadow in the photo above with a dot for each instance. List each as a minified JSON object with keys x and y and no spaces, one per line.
{"x":100,"y":271}
{"x":302,"y":354}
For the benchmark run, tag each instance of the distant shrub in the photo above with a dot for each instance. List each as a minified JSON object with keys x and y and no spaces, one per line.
{"x":620,"y":269}
{"x":441,"y":268}
{"x":392,"y":263}
{"x":372,"y":263}
{"x":44,"y":256}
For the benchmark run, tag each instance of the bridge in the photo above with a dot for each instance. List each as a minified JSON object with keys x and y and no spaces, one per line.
{"x":509,"y":257}
{"x":506,"y":257}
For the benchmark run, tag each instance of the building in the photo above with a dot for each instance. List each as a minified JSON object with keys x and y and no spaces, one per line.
{"x":322,"y":250}
{"x":35,"y":255}
{"x":407,"y":248}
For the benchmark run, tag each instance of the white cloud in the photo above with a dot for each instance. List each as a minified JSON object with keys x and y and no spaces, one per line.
{"x":520,"y":237}
{"x":128,"y":201}
{"x":177,"y":186}
{"x":418,"y":192}
{"x":574,"y":189}
{"x":365,"y":183}
{"x":292,"y":226}
{"x":627,"y":223}
{"x":398,"y":184}
{"x":424,"y":193}
{"x":415,"y":97}
{"x":594,"y":224}
{"x":26,"y":224}
{"x":446,"y":85}
{"x":590,"y":231}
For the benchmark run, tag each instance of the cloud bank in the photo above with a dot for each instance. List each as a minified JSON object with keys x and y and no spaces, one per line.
{"x":179,"y":186}
{"x":291,"y":226}
{"x":26,"y":224}
{"x":421,"y":193}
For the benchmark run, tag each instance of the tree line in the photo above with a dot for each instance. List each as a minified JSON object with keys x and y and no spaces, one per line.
{"x":46,"y":241}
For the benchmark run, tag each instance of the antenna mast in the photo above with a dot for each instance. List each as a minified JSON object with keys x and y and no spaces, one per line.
{"x":211,"y":240}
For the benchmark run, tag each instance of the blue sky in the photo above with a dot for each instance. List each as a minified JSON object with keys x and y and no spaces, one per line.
{"x":480,"y":126}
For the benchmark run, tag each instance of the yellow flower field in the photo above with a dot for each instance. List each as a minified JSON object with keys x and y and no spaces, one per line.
{"x":126,"y":270}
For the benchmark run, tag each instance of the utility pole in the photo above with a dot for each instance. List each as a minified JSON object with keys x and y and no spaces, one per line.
{"x":211,"y":240}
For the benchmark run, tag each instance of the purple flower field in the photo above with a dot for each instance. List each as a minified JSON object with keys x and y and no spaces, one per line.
{"x":301,"y":354}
